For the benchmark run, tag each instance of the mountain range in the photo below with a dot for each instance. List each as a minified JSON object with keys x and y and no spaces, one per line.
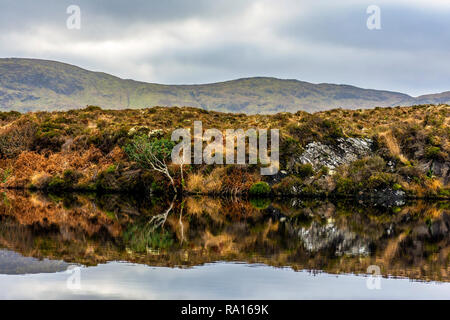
{"x":32,"y":84}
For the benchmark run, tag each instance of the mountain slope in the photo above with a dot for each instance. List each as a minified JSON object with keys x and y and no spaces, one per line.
{"x":30,"y":84}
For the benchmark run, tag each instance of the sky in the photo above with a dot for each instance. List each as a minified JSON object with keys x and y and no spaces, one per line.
{"x":203,"y":41}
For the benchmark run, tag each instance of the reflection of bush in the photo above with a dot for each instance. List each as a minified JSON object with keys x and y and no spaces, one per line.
{"x":260,"y":203}
{"x":90,"y":230}
{"x":140,"y":238}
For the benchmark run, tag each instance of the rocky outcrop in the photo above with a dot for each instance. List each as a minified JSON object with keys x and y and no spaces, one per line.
{"x":441,"y":169}
{"x":345,"y":150}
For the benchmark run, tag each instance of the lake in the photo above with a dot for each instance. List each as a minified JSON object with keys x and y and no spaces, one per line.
{"x":88,"y":246}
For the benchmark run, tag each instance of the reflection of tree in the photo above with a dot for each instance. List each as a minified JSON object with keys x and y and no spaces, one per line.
{"x":413,"y":243}
{"x":181,"y":223}
{"x":159,"y":220}
{"x":150,"y":235}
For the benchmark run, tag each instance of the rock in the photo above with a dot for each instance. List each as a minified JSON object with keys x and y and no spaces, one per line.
{"x":345,"y":151}
{"x":156,"y":133}
{"x":441,"y":169}
{"x":276,"y":178}
{"x":132,"y":131}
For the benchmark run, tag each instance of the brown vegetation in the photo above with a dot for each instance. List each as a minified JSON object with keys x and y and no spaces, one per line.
{"x":83,"y":149}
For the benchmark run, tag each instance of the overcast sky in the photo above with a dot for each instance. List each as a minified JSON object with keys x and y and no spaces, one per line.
{"x":202,"y":41}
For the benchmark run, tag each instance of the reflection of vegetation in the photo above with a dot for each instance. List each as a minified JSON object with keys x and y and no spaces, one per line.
{"x":334,"y":237}
{"x":143,"y":238}
{"x":260,"y":203}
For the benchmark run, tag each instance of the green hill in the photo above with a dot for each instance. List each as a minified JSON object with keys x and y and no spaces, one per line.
{"x":30,"y":84}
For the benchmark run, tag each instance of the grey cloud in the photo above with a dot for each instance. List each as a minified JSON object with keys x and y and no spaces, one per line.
{"x":321,"y":41}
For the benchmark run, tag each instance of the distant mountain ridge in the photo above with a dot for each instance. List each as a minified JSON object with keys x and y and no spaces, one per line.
{"x":31,"y":84}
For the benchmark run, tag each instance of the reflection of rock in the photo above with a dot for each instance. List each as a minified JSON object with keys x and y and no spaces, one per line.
{"x":300,"y":233}
{"x":386,"y":197}
{"x":439,"y":228}
{"x":318,"y":237}
{"x":332,"y":156}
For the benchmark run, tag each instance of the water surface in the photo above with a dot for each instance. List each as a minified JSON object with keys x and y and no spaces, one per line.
{"x":117,"y":247}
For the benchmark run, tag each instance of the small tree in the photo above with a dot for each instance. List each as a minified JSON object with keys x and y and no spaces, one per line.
{"x":151,"y":154}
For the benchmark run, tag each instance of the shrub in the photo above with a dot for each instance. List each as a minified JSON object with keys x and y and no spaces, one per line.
{"x":106,"y":140}
{"x":304,"y":170}
{"x":433,"y":152}
{"x":345,"y":185}
{"x":56,"y":183}
{"x":68,"y":181}
{"x":195,"y":183}
{"x":260,"y":188}
{"x":151,"y":154}
{"x":92,"y":108}
{"x":367,"y":173}
{"x":396,"y":186}
{"x":146,"y":152}
{"x":72,"y":176}
{"x":49,"y":136}
{"x":107,"y":180}
{"x":237,"y":179}
{"x":444,"y":193}
{"x":380,"y":180}
{"x":288,"y":185}
{"x":17,"y":138}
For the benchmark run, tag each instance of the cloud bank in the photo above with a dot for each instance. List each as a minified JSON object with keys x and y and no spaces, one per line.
{"x":186,"y":42}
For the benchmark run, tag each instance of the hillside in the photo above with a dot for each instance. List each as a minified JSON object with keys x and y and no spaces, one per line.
{"x":388,"y":152}
{"x":30,"y":85}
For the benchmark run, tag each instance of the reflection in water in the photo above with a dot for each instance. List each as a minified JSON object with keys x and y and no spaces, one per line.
{"x":211,"y":281}
{"x":13,"y":263}
{"x":412,"y":241}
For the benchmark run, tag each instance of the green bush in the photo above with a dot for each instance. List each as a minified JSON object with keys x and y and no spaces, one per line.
{"x":396,"y":186}
{"x":381,"y":180}
{"x":433,"y":152}
{"x":304,"y":170}
{"x":345,"y":185}
{"x":68,"y":181}
{"x":57,"y":183}
{"x":107,"y":180}
{"x":444,"y":193}
{"x":145,"y":152}
{"x":260,"y":188}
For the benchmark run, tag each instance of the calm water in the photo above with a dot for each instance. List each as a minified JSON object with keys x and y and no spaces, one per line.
{"x":116,"y":247}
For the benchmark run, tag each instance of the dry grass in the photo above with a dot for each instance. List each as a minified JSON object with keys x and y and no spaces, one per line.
{"x":90,"y":140}
{"x":393,"y":146}
{"x":206,"y":184}
{"x":194,"y":183}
